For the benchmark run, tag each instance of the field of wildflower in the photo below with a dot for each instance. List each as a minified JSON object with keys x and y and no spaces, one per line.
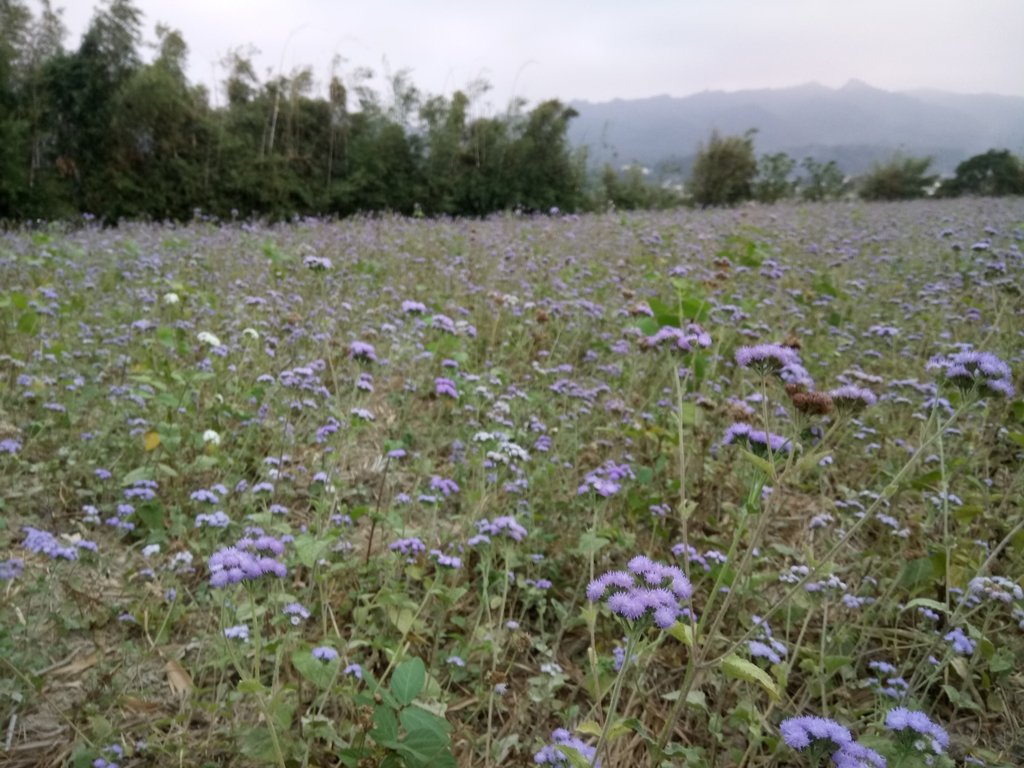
{"x":720,"y":488}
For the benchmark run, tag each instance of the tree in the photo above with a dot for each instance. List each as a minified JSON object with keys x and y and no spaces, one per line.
{"x":992,"y":174}
{"x":543,"y":171}
{"x":822,"y":181}
{"x":902,"y":178}
{"x":724,"y":170}
{"x":773,"y":182}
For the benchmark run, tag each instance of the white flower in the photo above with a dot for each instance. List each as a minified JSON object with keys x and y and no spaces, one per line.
{"x":210,"y":437}
{"x":150,"y":550}
{"x":251,"y":333}
{"x":171,"y":298}
{"x":205,"y":337}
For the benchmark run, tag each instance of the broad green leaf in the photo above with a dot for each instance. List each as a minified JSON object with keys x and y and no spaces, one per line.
{"x":590,"y":543}
{"x":741,"y":669}
{"x":315,"y":671}
{"x":682,"y":632}
{"x":385,"y":725}
{"x":251,"y":685}
{"x":408,"y":680}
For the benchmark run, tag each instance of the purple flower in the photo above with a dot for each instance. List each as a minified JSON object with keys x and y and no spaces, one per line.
{"x":759,"y":649}
{"x":232,"y":565}
{"x":648,"y":589}
{"x":45,"y":543}
{"x":852,"y":398}
{"x":238,"y":632}
{"x":324,"y":653}
{"x":767,"y":358}
{"x":443,"y":484}
{"x":360,"y":350}
{"x":354,"y":670}
{"x":799,"y":732}
{"x":11,"y":569}
{"x":902,"y":719}
{"x":505,"y":525}
{"x":217,"y":519}
{"x":856,"y":755}
{"x":971,"y":369}
{"x":552,"y":755}
{"x":694,"y":336}
{"x":443,"y":386}
{"x":9,"y":445}
{"x":410,"y":546}
{"x":297,"y":613}
{"x":757,"y":440}
{"x":961,"y":643}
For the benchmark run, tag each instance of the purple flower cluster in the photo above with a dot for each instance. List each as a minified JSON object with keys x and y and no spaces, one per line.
{"x":445,"y":387}
{"x":607,"y":479}
{"x":409,"y":547}
{"x":911,"y":722}
{"x":232,"y":565}
{"x":802,"y":732}
{"x":554,"y":754}
{"x":11,"y":568}
{"x":45,"y":543}
{"x":360,"y":350}
{"x":646,"y":587}
{"x":324,"y":653}
{"x":506,"y":525}
{"x":982,"y":370}
{"x":757,"y":440}
{"x":686,"y":340}
{"x":445,"y":485}
{"x":767,"y":358}
{"x":852,"y":398}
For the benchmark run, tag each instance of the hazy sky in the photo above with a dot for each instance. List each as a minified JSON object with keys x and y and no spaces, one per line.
{"x":602,"y":49}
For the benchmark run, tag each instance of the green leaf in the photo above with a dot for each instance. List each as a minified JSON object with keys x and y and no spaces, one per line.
{"x":416,"y":718}
{"x":408,"y":680}
{"x":257,"y":744}
{"x":310,"y":549}
{"x":917,"y":573}
{"x":591,"y":543}
{"x":738,"y":668}
{"x":28,"y":323}
{"x":250,"y":685}
{"x":682,"y":632}
{"x":315,"y":671}
{"x":385,"y":725}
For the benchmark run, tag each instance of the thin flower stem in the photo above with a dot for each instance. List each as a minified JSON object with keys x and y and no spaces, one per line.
{"x":602,"y":740}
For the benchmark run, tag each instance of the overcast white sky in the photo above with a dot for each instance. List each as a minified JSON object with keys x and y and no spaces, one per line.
{"x":603,"y":49}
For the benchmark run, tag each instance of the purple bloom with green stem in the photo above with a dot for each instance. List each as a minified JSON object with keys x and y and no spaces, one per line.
{"x":758,"y":440}
{"x":648,"y":589}
{"x":554,"y":754}
{"x":914,"y":723}
{"x":360,"y":350}
{"x":324,"y":653}
{"x":970,"y":369}
{"x":961,"y":643}
{"x":852,"y":398}
{"x":767,"y":358}
{"x":446,"y":387}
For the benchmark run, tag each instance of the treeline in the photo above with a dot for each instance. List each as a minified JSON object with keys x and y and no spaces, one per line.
{"x":99,"y":131}
{"x":726,"y":171}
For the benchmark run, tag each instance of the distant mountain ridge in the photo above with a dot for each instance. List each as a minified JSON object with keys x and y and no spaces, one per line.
{"x":856,"y":125}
